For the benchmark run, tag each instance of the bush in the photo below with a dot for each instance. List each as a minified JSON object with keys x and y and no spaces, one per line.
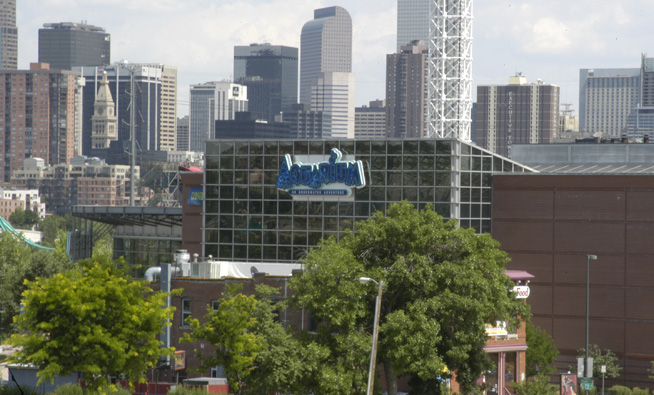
{"x":639,"y":391}
{"x":537,"y":385}
{"x":185,"y":390}
{"x":619,"y":390}
{"x":74,"y":389}
{"x":69,"y":389}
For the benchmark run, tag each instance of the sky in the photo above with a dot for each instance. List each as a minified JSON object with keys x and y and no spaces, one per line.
{"x":547,"y":40}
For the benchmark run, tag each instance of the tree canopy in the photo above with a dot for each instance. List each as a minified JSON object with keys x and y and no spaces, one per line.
{"x":229,"y":330}
{"x":602,"y":357}
{"x":95,"y":321}
{"x":541,"y":352}
{"x":24,"y":219}
{"x":442,"y":285}
{"x":20,"y":262}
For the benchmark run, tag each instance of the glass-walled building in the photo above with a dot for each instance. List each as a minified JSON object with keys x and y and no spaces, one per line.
{"x":250,"y":215}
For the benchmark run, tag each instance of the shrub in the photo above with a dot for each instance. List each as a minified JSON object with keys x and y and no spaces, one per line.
{"x":619,"y":390}
{"x":185,"y":390}
{"x":69,"y":389}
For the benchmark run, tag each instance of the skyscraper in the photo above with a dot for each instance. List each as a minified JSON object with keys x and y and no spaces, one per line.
{"x":8,"y":35}
{"x":37,"y":117}
{"x":66,"y":45}
{"x":517,"y":113}
{"x":183,"y":133}
{"x":412,"y":21}
{"x":325,"y":46}
{"x":606,"y":97}
{"x":211,"y":102}
{"x":333,"y":93}
{"x":370,"y":122}
{"x":270,"y":74}
{"x":406,"y":91}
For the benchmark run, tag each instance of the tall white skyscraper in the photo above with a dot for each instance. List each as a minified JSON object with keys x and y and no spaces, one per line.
{"x":333,"y":93}
{"x":211,"y":102}
{"x":412,"y":21}
{"x":325,"y":46}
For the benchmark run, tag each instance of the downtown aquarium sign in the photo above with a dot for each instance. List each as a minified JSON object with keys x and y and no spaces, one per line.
{"x":334,"y":177}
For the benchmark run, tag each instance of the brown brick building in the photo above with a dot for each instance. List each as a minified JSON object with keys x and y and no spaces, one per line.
{"x":548,"y":224}
{"x":37,"y":117}
{"x":517,"y":113}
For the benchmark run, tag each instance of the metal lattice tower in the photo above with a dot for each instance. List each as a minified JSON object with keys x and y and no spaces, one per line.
{"x":450,"y":69}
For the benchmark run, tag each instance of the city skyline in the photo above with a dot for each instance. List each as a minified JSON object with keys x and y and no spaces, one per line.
{"x":534,"y":38}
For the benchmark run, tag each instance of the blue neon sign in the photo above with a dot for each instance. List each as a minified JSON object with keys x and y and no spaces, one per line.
{"x":318,"y":179}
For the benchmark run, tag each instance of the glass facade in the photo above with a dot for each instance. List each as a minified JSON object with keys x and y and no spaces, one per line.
{"x":248,"y":219}
{"x":142,"y":253}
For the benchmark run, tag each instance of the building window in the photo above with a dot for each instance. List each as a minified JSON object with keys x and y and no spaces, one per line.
{"x":214,"y":305}
{"x":186,"y":311}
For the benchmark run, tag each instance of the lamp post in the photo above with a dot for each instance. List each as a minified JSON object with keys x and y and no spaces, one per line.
{"x":588,"y":259}
{"x":375,"y":330}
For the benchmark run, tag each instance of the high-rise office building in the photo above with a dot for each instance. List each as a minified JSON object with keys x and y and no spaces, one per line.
{"x":37,"y":117}
{"x":370,"y":121}
{"x":517,"y":113}
{"x":641,"y":119}
{"x":406,"y":91}
{"x":307,"y":124}
{"x":155,"y":87}
{"x":412,"y":21}
{"x":183,"y":138}
{"x":333,"y":93}
{"x":270,"y":73}
{"x":168,"y":108}
{"x":606,"y":98}
{"x":8,"y":35}
{"x":66,"y":45}
{"x":325,"y":46}
{"x":211,"y":102}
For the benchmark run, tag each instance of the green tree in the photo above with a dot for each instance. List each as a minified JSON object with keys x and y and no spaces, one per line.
{"x":602,"y":357}
{"x":24,"y":219}
{"x":229,"y":330}
{"x":541,"y":352}
{"x":53,"y":225}
{"x":443,"y":284}
{"x":95,"y":321}
{"x":20,"y":262}
{"x":283,"y":364}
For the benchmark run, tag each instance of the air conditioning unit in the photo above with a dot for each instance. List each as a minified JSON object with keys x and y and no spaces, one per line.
{"x":208,"y":270}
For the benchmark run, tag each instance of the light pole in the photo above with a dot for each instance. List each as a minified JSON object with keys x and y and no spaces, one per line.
{"x":588,"y":259}
{"x":375,"y":330}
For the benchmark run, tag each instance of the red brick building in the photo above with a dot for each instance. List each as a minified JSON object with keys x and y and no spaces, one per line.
{"x":548,"y":224}
{"x":37,"y":117}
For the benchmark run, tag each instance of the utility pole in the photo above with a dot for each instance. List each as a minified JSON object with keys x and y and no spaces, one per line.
{"x":132,"y":132}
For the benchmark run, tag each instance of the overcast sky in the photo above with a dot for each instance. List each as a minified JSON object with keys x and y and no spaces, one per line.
{"x":550,"y":40}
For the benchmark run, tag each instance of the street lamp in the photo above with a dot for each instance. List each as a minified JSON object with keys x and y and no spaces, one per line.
{"x":588,"y":259}
{"x":375,"y":330}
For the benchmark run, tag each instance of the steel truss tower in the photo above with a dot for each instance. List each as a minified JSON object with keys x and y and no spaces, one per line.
{"x":450,"y":69}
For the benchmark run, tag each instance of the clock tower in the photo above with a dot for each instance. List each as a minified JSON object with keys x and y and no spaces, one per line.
{"x":104,"y":120}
